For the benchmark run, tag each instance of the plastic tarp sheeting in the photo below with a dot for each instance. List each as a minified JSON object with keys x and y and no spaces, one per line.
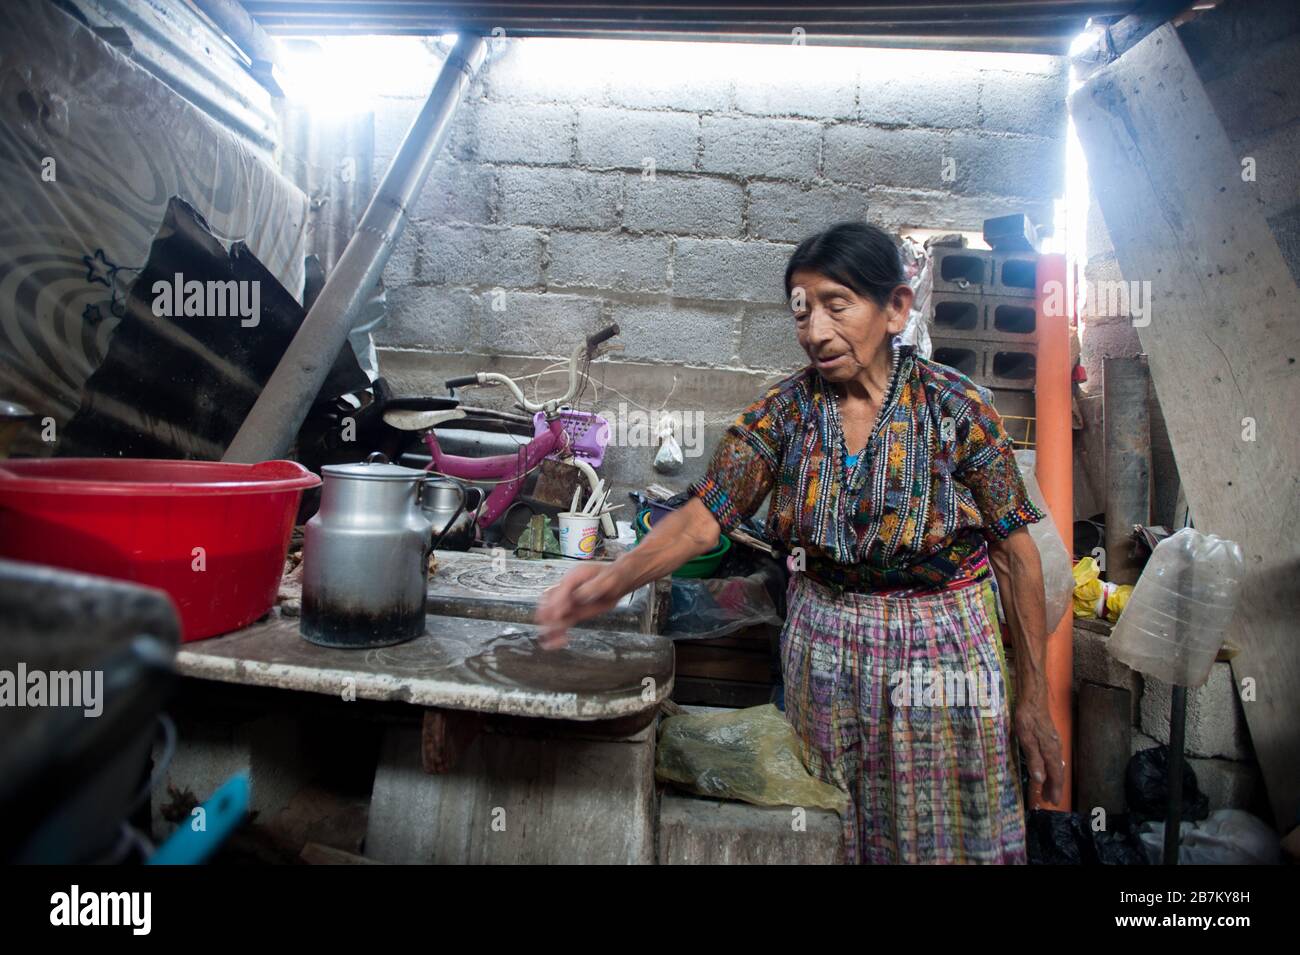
{"x":712,"y":607}
{"x":750,"y":755}
{"x":1228,"y":837}
{"x":92,"y":148}
{"x":178,"y":386}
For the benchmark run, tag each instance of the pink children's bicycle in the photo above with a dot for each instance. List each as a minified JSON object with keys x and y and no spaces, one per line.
{"x":574,"y":437}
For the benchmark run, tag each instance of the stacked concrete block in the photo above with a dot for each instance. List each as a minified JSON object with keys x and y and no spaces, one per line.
{"x":966,"y":271}
{"x":1216,"y":724}
{"x":1014,"y":275}
{"x":1217,"y":744}
{"x":683,"y":205}
{"x":983,"y":317}
{"x":1229,"y":784}
{"x":1217,"y":741}
{"x":620,"y":263}
{"x":1094,"y":664}
{"x":695,"y":831}
{"x":541,"y":197}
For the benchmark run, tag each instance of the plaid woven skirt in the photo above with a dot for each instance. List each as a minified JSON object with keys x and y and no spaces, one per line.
{"x":901,"y":701}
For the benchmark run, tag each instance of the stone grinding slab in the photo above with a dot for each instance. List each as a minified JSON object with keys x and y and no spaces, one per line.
{"x":487,"y":587}
{"x":459,"y":663}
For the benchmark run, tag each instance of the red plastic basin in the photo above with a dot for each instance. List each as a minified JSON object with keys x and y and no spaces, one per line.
{"x":212,"y":535}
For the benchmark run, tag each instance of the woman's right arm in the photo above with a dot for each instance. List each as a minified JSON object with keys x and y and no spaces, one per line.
{"x":592,"y":589}
{"x":739,"y":477}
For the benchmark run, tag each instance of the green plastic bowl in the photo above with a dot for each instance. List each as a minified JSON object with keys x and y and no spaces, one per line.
{"x":702,"y":566}
{"x":642,"y":523}
{"x":705,"y":564}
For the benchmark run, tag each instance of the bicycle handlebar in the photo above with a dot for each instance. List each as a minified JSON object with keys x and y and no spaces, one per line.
{"x":600,"y":337}
{"x":586,"y":348}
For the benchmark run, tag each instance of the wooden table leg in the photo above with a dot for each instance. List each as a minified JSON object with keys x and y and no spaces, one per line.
{"x":444,"y":736}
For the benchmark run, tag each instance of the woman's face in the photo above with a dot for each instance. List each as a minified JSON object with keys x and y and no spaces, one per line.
{"x":843,"y":332}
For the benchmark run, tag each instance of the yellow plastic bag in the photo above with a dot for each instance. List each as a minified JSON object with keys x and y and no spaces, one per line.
{"x":1093,"y":596}
{"x":1117,"y":600}
{"x":1087,"y":588}
{"x":751,"y":755}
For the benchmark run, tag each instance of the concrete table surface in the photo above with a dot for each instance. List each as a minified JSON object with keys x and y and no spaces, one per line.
{"x":459,"y":663}
{"x":490,"y":586}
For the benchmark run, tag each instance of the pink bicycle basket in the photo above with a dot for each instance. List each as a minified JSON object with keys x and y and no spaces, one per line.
{"x":588,"y":434}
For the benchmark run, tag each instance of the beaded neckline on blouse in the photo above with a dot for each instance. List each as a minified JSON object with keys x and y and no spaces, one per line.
{"x":851,"y":460}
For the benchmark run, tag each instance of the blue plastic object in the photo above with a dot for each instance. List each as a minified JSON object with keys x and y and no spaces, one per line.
{"x":221,"y":816}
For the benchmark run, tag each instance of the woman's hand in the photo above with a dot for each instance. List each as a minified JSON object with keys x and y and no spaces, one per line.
{"x":590,"y":590}
{"x":1041,"y":745}
{"x":585,"y":592}
{"x":1020,"y":579}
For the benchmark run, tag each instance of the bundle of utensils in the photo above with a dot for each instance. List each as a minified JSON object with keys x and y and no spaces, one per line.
{"x":597,"y":504}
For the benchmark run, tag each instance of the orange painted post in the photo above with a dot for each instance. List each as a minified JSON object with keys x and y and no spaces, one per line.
{"x":1055,"y":472}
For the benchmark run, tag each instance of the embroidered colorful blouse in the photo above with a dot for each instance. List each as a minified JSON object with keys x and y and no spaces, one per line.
{"x":912,"y":514}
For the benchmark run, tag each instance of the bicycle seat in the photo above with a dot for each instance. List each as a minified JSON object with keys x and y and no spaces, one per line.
{"x":417,"y":412}
{"x":404,"y":419}
{"x":421,"y":403}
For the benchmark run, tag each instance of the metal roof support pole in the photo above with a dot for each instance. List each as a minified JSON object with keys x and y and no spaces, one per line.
{"x":263,"y":55}
{"x":272,"y":425}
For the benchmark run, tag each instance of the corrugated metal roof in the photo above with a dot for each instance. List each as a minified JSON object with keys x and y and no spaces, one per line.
{"x":1040,"y":26}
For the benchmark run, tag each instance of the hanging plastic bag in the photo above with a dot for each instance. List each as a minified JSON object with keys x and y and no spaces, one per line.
{"x":669,"y":457}
{"x":1058,"y":576}
{"x":916,"y":264}
{"x":751,"y":755}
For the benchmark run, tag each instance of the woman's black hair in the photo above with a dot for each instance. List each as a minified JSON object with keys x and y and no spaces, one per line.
{"x":858,"y":255}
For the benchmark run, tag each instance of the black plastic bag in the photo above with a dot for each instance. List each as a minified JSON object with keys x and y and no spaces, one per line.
{"x":1056,"y":838}
{"x":1146,"y":787}
{"x":1067,"y":838}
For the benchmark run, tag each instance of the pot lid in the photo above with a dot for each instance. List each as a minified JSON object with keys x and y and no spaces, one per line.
{"x":374,"y":468}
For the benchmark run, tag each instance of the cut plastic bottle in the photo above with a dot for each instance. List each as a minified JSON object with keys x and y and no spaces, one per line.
{"x":1181,"y":608}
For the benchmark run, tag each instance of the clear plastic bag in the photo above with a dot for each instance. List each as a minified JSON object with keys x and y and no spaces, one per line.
{"x":751,"y":755}
{"x":1228,"y":837}
{"x":1058,"y":569}
{"x":712,"y":607}
{"x":1180,"y":609}
{"x":669,"y":458}
{"x":916,"y":332}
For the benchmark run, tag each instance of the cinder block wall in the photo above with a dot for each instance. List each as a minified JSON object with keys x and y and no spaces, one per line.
{"x":663,"y":186}
{"x":1217,"y":742}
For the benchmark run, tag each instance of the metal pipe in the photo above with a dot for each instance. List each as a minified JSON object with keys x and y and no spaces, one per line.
{"x":233,"y":20}
{"x":1177,"y":735}
{"x":1054,"y":468}
{"x":1126,"y":420}
{"x":272,"y":424}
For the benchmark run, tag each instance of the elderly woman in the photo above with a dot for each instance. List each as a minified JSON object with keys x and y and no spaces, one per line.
{"x":896,"y":493}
